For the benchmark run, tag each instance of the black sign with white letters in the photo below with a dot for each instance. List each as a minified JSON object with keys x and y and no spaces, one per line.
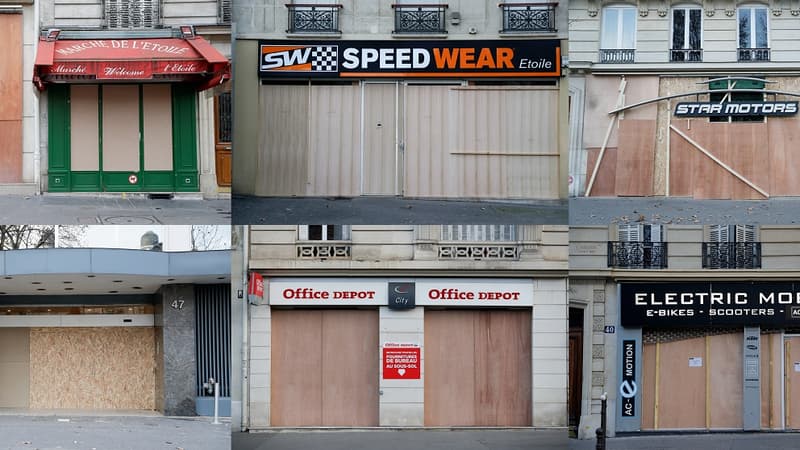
{"x":401,"y":296}
{"x":684,"y":304}
{"x":735,"y":109}
{"x":628,"y":388}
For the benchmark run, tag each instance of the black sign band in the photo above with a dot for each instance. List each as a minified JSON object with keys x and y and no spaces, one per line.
{"x":402,"y":296}
{"x":628,"y":388}
{"x":735,"y":109}
{"x":408,"y":59}
{"x":684,"y":304}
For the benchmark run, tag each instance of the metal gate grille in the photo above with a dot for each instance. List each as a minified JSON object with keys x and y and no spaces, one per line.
{"x":213,"y":337}
{"x":124,"y":14}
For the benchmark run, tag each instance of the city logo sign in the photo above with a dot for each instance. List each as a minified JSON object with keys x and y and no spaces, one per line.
{"x":735,"y":109}
{"x":422,"y":59}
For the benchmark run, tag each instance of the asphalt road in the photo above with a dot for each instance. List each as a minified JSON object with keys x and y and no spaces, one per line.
{"x":681,"y":211}
{"x":392,"y":210}
{"x":23,"y":432}
{"x":403,"y":440}
{"x":114,"y":209}
{"x":707,"y":441}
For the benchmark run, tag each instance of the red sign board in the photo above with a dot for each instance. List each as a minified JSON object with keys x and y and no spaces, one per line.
{"x":124,"y":70}
{"x":401,"y":361}
{"x":256,"y":285}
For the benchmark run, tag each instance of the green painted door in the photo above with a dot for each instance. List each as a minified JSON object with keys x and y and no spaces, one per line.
{"x":122,"y":138}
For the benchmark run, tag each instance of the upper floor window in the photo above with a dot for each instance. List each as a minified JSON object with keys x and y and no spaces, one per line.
{"x":639,"y":246}
{"x":313,"y":16}
{"x":420,"y":16}
{"x":753,"y":33}
{"x":131,"y":14}
{"x":686,"y":34}
{"x":618,"y":34}
{"x":528,"y":17}
{"x":504,"y":233}
{"x":313,"y":242}
{"x":731,"y":247}
{"x":224,"y":12}
{"x":324,"y":233}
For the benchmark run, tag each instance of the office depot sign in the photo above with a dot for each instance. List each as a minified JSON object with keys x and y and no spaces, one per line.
{"x":324,"y":291}
{"x":474,"y":292}
{"x":403,"y":59}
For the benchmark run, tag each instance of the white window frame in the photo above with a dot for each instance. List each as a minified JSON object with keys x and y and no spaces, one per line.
{"x":302,"y":233}
{"x":686,"y":33}
{"x":479,"y":233}
{"x":752,"y":8}
{"x":619,"y":28}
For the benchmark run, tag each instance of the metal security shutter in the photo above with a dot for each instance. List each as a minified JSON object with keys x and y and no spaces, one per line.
{"x":213,"y":337}
{"x":125,"y":14}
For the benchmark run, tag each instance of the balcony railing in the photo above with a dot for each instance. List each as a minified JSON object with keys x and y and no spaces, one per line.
{"x":529,"y":17}
{"x":731,"y":255}
{"x":425,"y":18}
{"x":324,"y":250}
{"x":617,"y":55}
{"x":307,"y":18}
{"x":753,"y":54}
{"x":637,"y":255}
{"x":686,"y":55}
{"x":480,"y":251}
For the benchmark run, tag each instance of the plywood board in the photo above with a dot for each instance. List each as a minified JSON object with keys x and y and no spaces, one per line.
{"x":10,"y":150}
{"x":121,"y":128}
{"x":14,"y":367}
{"x":296,"y":394}
{"x":682,"y":163}
{"x":11,"y":67}
{"x":635,"y":157}
{"x":92,"y":368}
{"x":682,"y":389}
{"x":771,"y":381}
{"x":792,"y":382}
{"x":282,"y":140}
{"x":605,"y":181}
{"x":380,"y":138}
{"x":157,"y":111}
{"x":725,"y":392}
{"x":84,"y":128}
{"x":784,"y":140}
{"x":350,"y":368}
{"x":648,"y":386}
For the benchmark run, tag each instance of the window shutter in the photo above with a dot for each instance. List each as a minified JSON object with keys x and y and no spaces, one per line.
{"x":629,"y":233}
{"x":745,"y":233}
{"x":224,"y":12}
{"x":302,"y":233}
{"x":126,"y":14}
{"x":652,"y":233}
{"x":718,"y":233}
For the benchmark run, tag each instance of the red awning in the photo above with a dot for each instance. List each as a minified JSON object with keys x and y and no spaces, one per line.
{"x":98,"y":60}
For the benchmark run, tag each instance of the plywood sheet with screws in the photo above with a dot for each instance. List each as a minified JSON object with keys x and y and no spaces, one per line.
{"x":92,"y":368}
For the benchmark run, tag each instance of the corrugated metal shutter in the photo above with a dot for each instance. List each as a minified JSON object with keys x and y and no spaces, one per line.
{"x":213,"y":337}
{"x":125,"y":14}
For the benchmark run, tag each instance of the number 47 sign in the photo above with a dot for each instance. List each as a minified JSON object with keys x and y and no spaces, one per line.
{"x":401,"y":361}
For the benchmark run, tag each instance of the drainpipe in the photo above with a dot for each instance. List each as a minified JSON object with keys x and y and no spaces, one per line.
{"x":37,"y":141}
{"x":245,"y":236}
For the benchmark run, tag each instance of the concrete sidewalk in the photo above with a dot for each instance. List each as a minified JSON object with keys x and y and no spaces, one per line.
{"x":111,"y":209}
{"x":393,"y":210}
{"x":682,"y":211}
{"x":510,"y":439}
{"x":705,"y":441}
{"x":24,"y":432}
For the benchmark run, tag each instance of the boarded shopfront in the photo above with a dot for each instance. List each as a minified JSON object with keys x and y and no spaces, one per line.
{"x":11,"y":93}
{"x":122,"y":113}
{"x":415,"y":118}
{"x":711,"y":137}
{"x":458,"y":352}
{"x":711,"y":356}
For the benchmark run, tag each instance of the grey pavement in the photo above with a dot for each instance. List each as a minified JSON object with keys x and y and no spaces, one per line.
{"x":24,"y":432}
{"x":112,"y":209}
{"x":393,"y":210}
{"x":706,"y":441}
{"x":682,"y":211}
{"x":403,"y":440}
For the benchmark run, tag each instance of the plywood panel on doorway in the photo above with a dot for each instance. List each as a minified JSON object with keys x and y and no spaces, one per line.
{"x":635,"y":157}
{"x":282,"y":153}
{"x":84,"y":128}
{"x":11,"y":95}
{"x":121,"y":128}
{"x":381,"y":130}
{"x":792,"y":382}
{"x":725,"y":381}
{"x":157,"y":128}
{"x":681,"y":388}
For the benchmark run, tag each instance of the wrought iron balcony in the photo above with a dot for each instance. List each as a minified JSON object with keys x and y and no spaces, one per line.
{"x":637,"y":255}
{"x":686,"y":55}
{"x":324,"y":250}
{"x":309,"y":18}
{"x":617,"y":55}
{"x":507,"y":251}
{"x":731,"y":255}
{"x":753,"y":54}
{"x":424,"y":18}
{"x":529,"y":17}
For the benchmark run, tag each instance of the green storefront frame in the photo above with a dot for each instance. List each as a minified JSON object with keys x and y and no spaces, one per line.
{"x":182,"y":178}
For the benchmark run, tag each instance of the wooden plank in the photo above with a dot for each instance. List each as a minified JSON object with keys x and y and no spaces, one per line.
{"x":449,"y":368}
{"x":604,"y":182}
{"x":502,"y":368}
{"x":784,"y":140}
{"x":635,"y":158}
{"x":792,"y":387}
{"x":682,"y":163}
{"x":648,"y":386}
{"x":296,"y":394}
{"x":349,"y":368}
{"x":10,"y":150}
{"x":682,"y":391}
{"x":725,"y":363}
{"x":747,"y":156}
{"x":771,"y":381}
{"x":11,"y":67}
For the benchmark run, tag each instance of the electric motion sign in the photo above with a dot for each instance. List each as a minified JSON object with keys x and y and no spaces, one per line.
{"x":704,"y":304}
{"x":735,"y":109}
{"x":404,"y":59}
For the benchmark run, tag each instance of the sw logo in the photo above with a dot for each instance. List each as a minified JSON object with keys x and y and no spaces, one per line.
{"x":300,"y":58}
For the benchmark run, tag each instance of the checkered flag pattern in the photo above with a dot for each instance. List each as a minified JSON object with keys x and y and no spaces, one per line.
{"x":324,"y":58}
